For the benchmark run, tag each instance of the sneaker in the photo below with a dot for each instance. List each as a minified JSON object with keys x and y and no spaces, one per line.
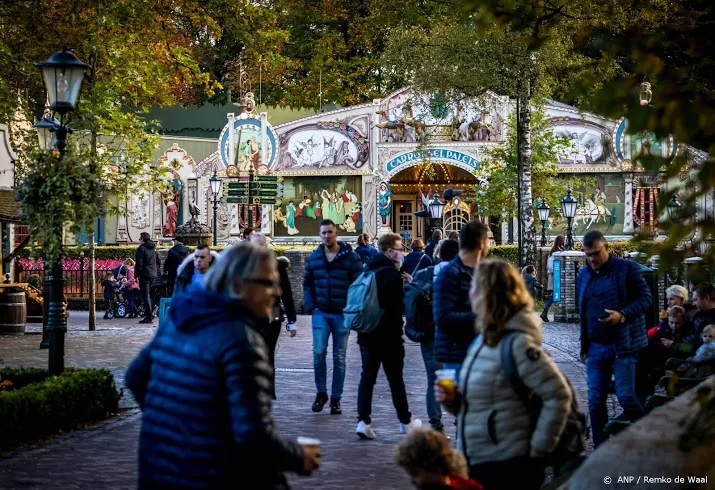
{"x":545,"y":317}
{"x":335,"y":407}
{"x":320,"y":400}
{"x":414,"y":424}
{"x":364,"y":431}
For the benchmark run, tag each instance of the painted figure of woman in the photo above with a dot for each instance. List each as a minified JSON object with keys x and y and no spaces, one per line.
{"x":290,"y":218}
{"x":384,"y":201}
{"x":171,"y":200}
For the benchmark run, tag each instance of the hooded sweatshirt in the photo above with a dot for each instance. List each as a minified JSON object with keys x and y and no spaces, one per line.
{"x":204,"y":385}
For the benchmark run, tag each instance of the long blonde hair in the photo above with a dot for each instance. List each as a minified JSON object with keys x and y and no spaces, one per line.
{"x":500,"y":294}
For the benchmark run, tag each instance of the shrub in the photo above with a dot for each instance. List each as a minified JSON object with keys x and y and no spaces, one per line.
{"x":41,"y":405}
{"x":510,"y":253}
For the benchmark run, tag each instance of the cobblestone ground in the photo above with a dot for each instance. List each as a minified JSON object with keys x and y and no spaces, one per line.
{"x":104,"y":456}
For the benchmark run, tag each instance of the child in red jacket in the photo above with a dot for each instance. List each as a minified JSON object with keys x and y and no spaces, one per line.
{"x":431,"y":462}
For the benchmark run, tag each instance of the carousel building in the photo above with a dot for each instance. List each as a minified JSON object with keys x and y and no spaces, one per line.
{"x":370,"y":167}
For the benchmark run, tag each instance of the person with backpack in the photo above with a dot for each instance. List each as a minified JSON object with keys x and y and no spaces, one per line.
{"x":416,"y":260}
{"x":507,"y":443}
{"x":176,"y":256}
{"x":453,"y":316}
{"x":384,"y":344}
{"x":329,"y":272}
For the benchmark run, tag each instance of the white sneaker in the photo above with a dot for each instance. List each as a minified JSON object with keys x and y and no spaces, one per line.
{"x":414,"y":424}
{"x":364,"y":431}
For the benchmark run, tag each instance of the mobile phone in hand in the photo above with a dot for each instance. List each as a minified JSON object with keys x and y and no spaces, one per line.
{"x":603,"y":317}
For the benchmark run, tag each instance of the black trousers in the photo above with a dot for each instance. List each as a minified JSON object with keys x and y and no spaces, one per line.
{"x":144,"y":285}
{"x":392,"y":358}
{"x":270,"y":335}
{"x":524,"y":473}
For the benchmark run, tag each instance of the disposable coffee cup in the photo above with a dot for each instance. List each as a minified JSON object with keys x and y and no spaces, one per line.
{"x":310,"y":442}
{"x":446,"y":378}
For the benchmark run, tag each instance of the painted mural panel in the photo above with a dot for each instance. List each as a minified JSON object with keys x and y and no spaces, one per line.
{"x":409,"y":116}
{"x":327,"y":145}
{"x":591,"y":144}
{"x":600,"y":208}
{"x":308,"y":200}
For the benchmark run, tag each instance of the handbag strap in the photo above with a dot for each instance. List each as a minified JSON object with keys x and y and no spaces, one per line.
{"x":418,"y":265}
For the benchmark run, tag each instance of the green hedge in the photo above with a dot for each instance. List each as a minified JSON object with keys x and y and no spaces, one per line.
{"x":42,"y":405}
{"x":129,"y":252}
{"x":510,"y":253}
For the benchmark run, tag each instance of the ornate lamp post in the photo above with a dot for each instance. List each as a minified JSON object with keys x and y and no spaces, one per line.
{"x":215,"y":190}
{"x":674,"y":208}
{"x":543,"y":211}
{"x":568,"y":210}
{"x":436,"y":208}
{"x":63,"y":73}
{"x":45,"y":131}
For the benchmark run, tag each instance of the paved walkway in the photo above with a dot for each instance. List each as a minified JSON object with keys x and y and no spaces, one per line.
{"x":104,"y":456}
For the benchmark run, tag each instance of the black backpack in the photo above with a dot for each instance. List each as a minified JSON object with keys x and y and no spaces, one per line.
{"x":571,"y":443}
{"x":419,"y":323}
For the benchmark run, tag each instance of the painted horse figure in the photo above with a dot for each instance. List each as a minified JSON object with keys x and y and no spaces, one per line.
{"x":418,"y":126}
{"x":591,"y":212}
{"x":385,"y":123}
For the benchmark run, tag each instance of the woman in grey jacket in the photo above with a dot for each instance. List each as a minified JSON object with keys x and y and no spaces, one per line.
{"x":495,"y":430}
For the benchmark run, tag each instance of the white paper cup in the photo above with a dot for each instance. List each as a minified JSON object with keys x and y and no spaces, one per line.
{"x":308,"y":441}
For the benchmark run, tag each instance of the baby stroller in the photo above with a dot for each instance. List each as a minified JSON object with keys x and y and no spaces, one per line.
{"x":155,"y":290}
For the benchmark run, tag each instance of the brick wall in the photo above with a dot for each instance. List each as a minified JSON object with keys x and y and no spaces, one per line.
{"x":297,"y":259}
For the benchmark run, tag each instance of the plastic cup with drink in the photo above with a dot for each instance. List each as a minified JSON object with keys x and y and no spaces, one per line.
{"x":446,"y":379}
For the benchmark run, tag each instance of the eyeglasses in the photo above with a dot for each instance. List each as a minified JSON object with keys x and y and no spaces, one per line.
{"x":398,"y":249}
{"x":264,"y":282}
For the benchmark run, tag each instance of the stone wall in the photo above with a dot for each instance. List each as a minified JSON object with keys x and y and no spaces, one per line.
{"x":571,"y":263}
{"x":297,"y":259}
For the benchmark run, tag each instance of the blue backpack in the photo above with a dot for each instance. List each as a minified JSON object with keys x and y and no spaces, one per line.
{"x":362,"y":312}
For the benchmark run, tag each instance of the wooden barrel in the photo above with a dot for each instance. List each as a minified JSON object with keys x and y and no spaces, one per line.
{"x":13,"y":312}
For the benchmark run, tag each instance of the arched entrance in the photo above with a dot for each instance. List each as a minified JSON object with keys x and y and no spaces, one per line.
{"x":406,"y":186}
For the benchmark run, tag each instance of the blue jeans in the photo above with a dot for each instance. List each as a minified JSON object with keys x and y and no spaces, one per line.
{"x":548,"y":304}
{"x":434,"y":410}
{"x":601,"y":362}
{"x":325,"y":324}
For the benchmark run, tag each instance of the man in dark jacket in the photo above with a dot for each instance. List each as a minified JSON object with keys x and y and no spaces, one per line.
{"x":176,"y":256}
{"x":384,"y":346}
{"x":145,"y":270}
{"x":203,"y":387}
{"x":329,"y":272}
{"x":453,"y":317}
{"x":284,"y":306}
{"x":194,"y":267}
{"x":612,"y":299}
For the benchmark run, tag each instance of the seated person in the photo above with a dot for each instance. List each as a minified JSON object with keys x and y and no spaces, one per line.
{"x":432,"y":464}
{"x":676,"y":296}
{"x":694,"y":367}
{"x":674,"y":336}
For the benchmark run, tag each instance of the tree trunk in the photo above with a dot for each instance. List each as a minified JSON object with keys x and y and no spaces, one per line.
{"x":526,"y":209}
{"x":91,"y":285}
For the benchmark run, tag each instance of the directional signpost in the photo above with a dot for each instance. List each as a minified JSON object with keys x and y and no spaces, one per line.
{"x":252,"y":190}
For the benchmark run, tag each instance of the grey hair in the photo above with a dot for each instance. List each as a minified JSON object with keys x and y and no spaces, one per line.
{"x":242,"y":261}
{"x":259,"y":239}
{"x":678,"y":291}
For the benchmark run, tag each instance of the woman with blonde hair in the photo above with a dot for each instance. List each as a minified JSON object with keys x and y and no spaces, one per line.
{"x":503,"y":446}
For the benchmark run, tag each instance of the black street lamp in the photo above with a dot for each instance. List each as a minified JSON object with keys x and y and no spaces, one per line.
{"x":568,"y":210}
{"x":46,"y":128}
{"x":436,"y":208}
{"x":215,"y":190}
{"x":543,"y":211}
{"x":674,"y":208}
{"x":63,"y":73}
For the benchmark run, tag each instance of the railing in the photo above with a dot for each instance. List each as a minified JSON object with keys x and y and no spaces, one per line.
{"x":75,"y":274}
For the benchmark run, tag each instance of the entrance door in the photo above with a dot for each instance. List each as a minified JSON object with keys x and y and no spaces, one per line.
{"x":404,"y":219}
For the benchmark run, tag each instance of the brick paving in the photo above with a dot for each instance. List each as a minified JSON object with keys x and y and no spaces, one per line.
{"x":104,"y":456}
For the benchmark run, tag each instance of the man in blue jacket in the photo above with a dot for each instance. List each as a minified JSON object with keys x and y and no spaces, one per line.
{"x":613,"y":297}
{"x":329,"y":271}
{"x":453,"y":317}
